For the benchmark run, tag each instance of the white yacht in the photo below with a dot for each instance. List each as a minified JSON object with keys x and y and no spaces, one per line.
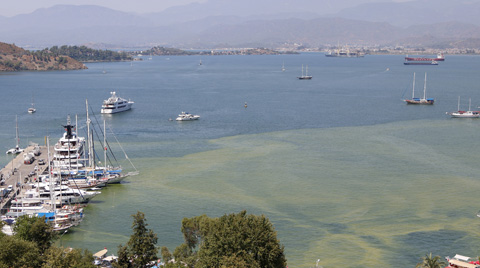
{"x":62,"y":195}
{"x":187,"y":117}
{"x":68,"y":152}
{"x":116,"y":104}
{"x":22,"y":206}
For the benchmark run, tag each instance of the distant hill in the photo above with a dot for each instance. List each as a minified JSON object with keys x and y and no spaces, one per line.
{"x":315,"y":32}
{"x":13,"y":58}
{"x":251,"y":23}
{"x":415,"y":12}
{"x":251,"y":8}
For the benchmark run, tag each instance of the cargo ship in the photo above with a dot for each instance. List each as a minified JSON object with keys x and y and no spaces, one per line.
{"x":439,"y":57}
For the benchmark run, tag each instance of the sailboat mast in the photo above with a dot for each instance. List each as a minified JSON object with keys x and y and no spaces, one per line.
{"x":16,"y":131}
{"x":52,"y":200}
{"x":425,"y":86}
{"x":413,"y":88}
{"x":104,"y":148}
{"x":91,"y":162}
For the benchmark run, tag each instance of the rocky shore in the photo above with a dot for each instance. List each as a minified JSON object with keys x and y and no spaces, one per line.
{"x":13,"y":58}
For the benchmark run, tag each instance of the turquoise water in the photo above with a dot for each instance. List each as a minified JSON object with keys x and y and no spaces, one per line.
{"x":345,"y":170}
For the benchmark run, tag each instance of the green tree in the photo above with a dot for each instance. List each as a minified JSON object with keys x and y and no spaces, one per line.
{"x":166,"y":255}
{"x":194,"y":229}
{"x":60,"y":257}
{"x":140,"y":248}
{"x":36,"y":230}
{"x":431,"y":262}
{"x":17,"y":252}
{"x":123,"y":261}
{"x":235,"y":240}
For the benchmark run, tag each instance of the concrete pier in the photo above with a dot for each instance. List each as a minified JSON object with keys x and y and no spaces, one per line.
{"x":18,"y":174}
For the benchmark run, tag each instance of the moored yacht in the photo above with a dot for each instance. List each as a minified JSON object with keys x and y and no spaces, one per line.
{"x":306,"y":76}
{"x":465,"y":114}
{"x":62,"y":195}
{"x":424,"y":100}
{"x":187,"y":117}
{"x":68,"y":152}
{"x":115,"y":104}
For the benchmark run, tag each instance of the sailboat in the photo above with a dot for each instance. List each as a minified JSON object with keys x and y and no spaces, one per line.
{"x":32,"y":109}
{"x":283,"y":67}
{"x":306,"y":76}
{"x":465,"y":114}
{"x":17,"y":148}
{"x":106,"y":173}
{"x":423,"y":100}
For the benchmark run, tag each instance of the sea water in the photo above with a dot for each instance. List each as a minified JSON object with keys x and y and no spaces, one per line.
{"x":343,"y":168}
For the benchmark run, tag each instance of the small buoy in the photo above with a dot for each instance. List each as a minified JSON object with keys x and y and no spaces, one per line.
{"x":245,"y":105}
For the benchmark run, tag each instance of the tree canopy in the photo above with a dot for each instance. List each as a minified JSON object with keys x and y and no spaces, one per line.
{"x":36,"y":230}
{"x":83,"y":53}
{"x":234,"y":240}
{"x":31,"y":246}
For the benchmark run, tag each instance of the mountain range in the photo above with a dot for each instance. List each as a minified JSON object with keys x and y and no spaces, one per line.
{"x":253,"y":23}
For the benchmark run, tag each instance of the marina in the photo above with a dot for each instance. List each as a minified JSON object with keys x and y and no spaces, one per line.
{"x":60,"y":183}
{"x":340,"y":165}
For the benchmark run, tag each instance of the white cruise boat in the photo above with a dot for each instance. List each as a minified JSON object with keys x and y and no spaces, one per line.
{"x":68,"y":152}
{"x":115,"y":104}
{"x":187,"y":117}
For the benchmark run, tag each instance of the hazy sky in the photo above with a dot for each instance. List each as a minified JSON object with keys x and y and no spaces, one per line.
{"x":10,"y":8}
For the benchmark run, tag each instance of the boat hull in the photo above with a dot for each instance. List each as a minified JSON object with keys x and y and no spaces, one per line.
{"x":420,"y":63}
{"x":423,"y":102}
{"x":116,"y":110}
{"x":468,"y":114}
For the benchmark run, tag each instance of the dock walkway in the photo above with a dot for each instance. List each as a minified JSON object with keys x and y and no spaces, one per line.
{"x":16,"y":173}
